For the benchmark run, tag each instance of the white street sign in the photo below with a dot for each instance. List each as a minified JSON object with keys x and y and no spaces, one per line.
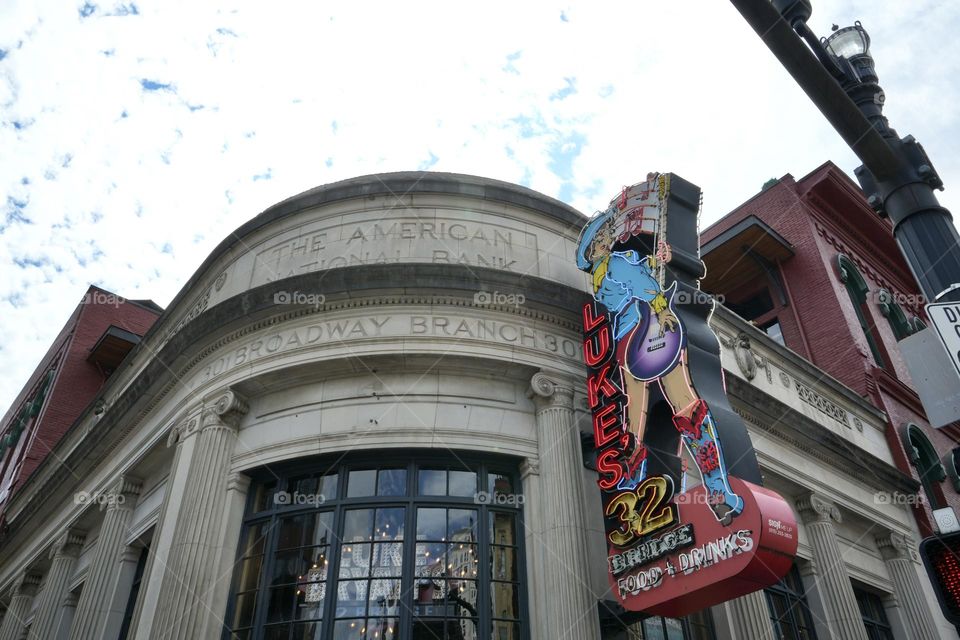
{"x":945,"y":317}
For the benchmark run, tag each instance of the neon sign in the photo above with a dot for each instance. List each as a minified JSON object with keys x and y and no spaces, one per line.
{"x":655,"y":391}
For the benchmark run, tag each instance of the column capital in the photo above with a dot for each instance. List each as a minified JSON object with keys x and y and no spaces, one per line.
{"x":225,"y":408}
{"x":813,"y":507}
{"x":550,"y":390}
{"x":182,"y":429}
{"x":68,"y":544}
{"x":27,"y":584}
{"x":894,"y":546}
{"x":529,"y":467}
{"x":123,"y":493}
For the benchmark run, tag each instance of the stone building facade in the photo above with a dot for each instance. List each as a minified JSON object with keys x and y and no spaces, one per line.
{"x":362,"y":418}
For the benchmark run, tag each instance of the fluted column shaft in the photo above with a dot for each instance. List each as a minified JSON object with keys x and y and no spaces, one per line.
{"x":96,"y":598}
{"x":750,"y":616}
{"x":840,"y":602}
{"x":63,"y":554}
{"x":571,"y":609}
{"x":23,"y":594}
{"x":900,"y":555}
{"x":189,"y":582}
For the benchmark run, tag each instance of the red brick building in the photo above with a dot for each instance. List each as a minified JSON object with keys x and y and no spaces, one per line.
{"x":99,"y":333}
{"x":811,"y":264}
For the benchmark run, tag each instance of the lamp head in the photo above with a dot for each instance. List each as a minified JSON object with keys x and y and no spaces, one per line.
{"x":849,"y":42}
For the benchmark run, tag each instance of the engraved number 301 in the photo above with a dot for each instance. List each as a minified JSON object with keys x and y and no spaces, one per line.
{"x":653,"y":497}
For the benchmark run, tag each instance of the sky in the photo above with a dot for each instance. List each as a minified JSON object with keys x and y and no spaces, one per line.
{"x":135,"y":136}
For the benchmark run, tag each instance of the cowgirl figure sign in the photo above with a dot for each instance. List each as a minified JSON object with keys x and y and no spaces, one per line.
{"x":650,"y":339}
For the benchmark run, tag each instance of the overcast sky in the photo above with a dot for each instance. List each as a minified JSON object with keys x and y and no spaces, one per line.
{"x":136,"y":136}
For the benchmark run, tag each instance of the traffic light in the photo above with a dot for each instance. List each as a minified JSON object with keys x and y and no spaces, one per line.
{"x":941,"y":557}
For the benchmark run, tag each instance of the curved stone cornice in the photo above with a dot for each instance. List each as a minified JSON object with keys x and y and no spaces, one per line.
{"x":549,"y":390}
{"x":894,"y":545}
{"x":813,"y":507}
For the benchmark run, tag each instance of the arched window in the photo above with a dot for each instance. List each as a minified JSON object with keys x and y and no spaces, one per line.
{"x":894,"y":314}
{"x":857,"y":289}
{"x":384,"y":548}
{"x":924,"y":458}
{"x":918,"y":324}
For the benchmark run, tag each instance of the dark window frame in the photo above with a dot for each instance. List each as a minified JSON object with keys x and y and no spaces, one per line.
{"x":686,"y":624}
{"x":873,"y":613}
{"x":791,"y":588}
{"x":412,"y":460}
{"x":857,"y":289}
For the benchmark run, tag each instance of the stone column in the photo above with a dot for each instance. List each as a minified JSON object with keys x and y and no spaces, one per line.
{"x":571,"y":607}
{"x":99,"y":587}
{"x":900,"y":555}
{"x":19,"y":608}
{"x":64,"y":553}
{"x":530,"y":476}
{"x":840,"y":604}
{"x":69,"y":610}
{"x":750,"y":617}
{"x":190,"y":583}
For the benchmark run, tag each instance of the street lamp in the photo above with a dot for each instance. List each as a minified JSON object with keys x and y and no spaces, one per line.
{"x":838,"y":75}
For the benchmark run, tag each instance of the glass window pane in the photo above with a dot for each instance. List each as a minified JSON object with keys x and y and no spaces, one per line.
{"x":319,"y":529}
{"x":382,"y":629}
{"x":263,"y":496}
{"x":462,"y":560}
{"x":358,"y":525}
{"x":304,"y":485}
{"x":674,"y":628}
{"x":349,"y":629}
{"x":315,"y":564}
{"x":503,"y":600}
{"x":307,"y":631}
{"x":355,"y":560}
{"x":248,"y":574}
{"x":462,"y":483}
{"x":310,"y":601}
{"x":431,"y":559}
{"x":351,"y":598}
{"x":462,"y":597}
{"x":653,"y":629}
{"x":277,"y":632}
{"x":502,"y":528}
{"x":392,"y":482}
{"x":387,"y":560}
{"x":256,"y":538}
{"x":499,"y":484}
{"x":291,"y":532}
{"x":244,"y":608}
{"x":388,"y":524}
{"x":431,"y":524}
{"x":462,"y":524}
{"x":503,"y":563}
{"x":361,"y":483}
{"x":432,"y":482}
{"x":287,"y":567}
{"x":328,"y":487}
{"x":384,"y":596}
{"x":505,"y":630}
{"x":281,"y":602}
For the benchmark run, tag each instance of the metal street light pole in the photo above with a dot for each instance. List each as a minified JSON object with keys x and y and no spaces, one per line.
{"x":838,"y":75}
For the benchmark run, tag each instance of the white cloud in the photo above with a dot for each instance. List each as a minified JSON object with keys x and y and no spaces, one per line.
{"x":116,"y":174}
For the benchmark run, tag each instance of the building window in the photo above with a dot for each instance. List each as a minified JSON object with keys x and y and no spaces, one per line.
{"x":789,"y":613}
{"x":696,"y":626}
{"x":857,"y":289}
{"x":772,"y":329}
{"x":923,"y":456}
{"x":874,"y":617}
{"x":899,"y":324}
{"x":375,"y":551}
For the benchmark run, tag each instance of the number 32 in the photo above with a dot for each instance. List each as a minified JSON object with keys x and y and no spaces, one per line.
{"x":656,"y":511}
